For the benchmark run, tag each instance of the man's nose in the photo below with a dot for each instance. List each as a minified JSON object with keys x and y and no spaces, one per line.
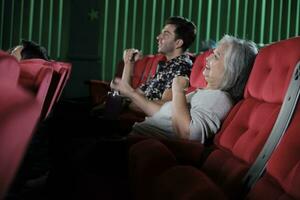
{"x":158,"y":37}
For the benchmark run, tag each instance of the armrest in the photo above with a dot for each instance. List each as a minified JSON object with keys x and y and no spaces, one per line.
{"x":98,"y":91}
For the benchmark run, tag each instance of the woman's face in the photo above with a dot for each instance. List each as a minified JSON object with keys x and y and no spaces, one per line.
{"x":214,"y":68}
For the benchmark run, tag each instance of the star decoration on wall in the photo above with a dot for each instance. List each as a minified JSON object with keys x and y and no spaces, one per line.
{"x":93,"y":14}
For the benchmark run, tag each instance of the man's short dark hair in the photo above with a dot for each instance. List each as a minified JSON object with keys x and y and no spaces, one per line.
{"x":185,"y":30}
{"x":33,"y":50}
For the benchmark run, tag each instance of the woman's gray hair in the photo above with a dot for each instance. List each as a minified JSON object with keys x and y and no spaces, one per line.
{"x":238,"y":62}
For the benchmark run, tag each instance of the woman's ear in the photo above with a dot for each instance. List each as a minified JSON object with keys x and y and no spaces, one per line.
{"x":179,"y":43}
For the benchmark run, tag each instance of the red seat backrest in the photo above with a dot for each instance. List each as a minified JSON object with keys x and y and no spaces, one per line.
{"x":145,"y":68}
{"x":9,"y":68}
{"x":19,"y":114}
{"x":61,"y":77}
{"x":249,"y":123}
{"x":282,"y":177}
{"x":197,"y":79}
{"x":40,"y":79}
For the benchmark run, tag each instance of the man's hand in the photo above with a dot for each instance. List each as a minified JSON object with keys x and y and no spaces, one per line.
{"x":122,"y":86}
{"x":131,"y":55}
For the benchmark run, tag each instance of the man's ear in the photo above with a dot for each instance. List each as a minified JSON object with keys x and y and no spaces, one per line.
{"x":179,"y":43}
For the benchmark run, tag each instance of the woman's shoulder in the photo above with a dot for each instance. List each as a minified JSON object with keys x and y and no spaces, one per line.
{"x":215,"y":94}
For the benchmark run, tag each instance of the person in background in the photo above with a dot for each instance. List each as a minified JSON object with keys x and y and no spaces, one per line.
{"x":28,"y":50}
{"x":198,"y":115}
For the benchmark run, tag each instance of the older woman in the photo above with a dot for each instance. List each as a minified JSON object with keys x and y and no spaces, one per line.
{"x":198,"y":116}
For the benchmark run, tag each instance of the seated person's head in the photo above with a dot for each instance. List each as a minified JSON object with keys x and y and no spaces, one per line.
{"x":229,"y":66}
{"x":207,"y":44}
{"x":29,"y":50}
{"x":185,"y":30}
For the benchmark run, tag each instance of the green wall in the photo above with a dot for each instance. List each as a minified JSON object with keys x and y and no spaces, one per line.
{"x":92,"y":34}
{"x":44,"y":21}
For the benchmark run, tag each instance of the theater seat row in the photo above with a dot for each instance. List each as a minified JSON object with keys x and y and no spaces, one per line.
{"x":144,"y":69}
{"x":169,"y":169}
{"x":28,"y":91}
{"x":45,"y":79}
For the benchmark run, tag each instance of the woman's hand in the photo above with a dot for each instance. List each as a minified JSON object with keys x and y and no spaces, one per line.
{"x":122,"y":86}
{"x":180,"y":83}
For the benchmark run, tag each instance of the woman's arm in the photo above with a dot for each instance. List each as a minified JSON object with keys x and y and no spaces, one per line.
{"x":181,"y":117}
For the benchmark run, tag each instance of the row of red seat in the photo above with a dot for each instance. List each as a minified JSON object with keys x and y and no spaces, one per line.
{"x":182,"y":169}
{"x":29,"y":90}
{"x":144,"y":69}
{"x":46,"y":79}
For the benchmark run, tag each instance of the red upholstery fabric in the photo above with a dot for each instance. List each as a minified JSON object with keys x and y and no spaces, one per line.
{"x":64,"y":69}
{"x":10,"y":69}
{"x":197,"y":79}
{"x":37,"y":77}
{"x":19,"y":113}
{"x":282,"y":177}
{"x":59,"y":79}
{"x":145,"y":68}
{"x":190,"y":183}
{"x":248,"y":125}
{"x":147,"y":163}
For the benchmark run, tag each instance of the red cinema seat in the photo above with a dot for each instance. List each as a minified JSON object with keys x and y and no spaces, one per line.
{"x":63,"y":67}
{"x":281,"y":179}
{"x":59,"y":79}
{"x":145,"y":69}
{"x":236,"y":146}
{"x":19,"y":114}
{"x":10,"y":69}
{"x":37,"y":78}
{"x":197,"y":79}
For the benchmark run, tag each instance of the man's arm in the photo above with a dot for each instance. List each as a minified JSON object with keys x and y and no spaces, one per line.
{"x":130,"y":56}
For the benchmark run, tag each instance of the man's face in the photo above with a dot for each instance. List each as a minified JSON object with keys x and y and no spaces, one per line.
{"x":166,"y":39}
{"x":16,"y":52}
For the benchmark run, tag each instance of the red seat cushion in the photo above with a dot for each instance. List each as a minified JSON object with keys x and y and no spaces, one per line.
{"x":36,"y":76}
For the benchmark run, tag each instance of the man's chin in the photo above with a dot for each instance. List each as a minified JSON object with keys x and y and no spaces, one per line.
{"x":160,"y":51}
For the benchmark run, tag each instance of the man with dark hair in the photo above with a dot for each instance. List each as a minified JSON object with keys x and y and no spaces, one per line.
{"x":173,"y":41}
{"x":28,"y":50}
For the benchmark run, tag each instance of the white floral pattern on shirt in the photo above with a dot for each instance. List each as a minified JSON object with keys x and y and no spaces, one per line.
{"x":166,"y":71}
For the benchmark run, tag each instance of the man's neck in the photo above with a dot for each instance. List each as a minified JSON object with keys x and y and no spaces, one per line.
{"x":173,"y":55}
